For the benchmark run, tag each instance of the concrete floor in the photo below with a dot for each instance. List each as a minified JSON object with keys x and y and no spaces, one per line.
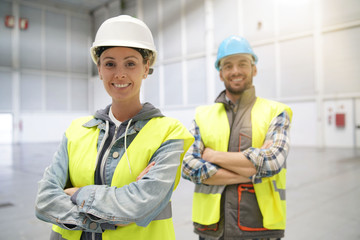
{"x":323,"y":194}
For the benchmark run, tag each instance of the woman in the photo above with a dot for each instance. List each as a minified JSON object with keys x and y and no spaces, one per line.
{"x":114,"y":173}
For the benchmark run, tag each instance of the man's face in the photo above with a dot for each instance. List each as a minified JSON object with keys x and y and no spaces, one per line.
{"x":237,"y":72}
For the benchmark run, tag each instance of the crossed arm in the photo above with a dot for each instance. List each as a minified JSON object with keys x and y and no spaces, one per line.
{"x":235,"y":166}
{"x":205,"y":165}
{"x":140,"y":201}
{"x":71,"y":191}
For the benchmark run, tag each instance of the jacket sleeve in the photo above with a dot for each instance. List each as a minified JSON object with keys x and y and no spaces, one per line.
{"x":270,"y":161}
{"x":140,"y":201}
{"x":52,"y":204}
{"x":194,"y":168}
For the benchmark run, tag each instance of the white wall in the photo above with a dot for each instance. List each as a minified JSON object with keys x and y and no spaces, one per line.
{"x":100,"y":97}
{"x":45,"y":127}
{"x":184,"y":115}
{"x":298,"y":64}
{"x":44,"y":76}
{"x":303,"y":130}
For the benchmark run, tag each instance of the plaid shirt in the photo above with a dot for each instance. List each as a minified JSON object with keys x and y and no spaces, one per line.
{"x":267,"y":162}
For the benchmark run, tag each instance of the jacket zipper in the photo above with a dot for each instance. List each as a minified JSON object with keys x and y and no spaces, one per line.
{"x":105,"y":157}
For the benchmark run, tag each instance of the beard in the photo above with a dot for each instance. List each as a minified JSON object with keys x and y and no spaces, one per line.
{"x":234,"y":91}
{"x":238,"y":91}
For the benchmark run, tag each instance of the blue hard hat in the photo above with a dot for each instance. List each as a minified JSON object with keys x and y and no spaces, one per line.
{"x":233,"y":45}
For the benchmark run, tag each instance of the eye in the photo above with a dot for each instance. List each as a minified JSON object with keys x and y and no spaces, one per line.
{"x":109,"y":64}
{"x":130,"y":64}
{"x":244,"y":65}
{"x":227,"y":67}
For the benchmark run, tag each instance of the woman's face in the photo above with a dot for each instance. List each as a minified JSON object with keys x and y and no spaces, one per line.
{"x":122,"y":70}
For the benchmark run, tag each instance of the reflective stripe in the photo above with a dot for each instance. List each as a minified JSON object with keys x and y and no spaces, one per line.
{"x":280,"y":191}
{"x":209,"y":189}
{"x":165,"y":213}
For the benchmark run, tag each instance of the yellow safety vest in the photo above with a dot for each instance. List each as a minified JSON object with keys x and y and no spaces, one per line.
{"x":215,"y":132}
{"x":82,"y":150}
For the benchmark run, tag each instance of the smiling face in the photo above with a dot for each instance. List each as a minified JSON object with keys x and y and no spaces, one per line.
{"x":122,"y":70}
{"x":237,"y":72}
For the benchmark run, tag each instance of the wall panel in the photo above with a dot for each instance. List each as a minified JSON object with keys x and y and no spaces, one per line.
{"x":258,"y":20}
{"x":195,"y":26}
{"x":5,"y":36}
{"x":196,"y":81}
{"x":341,"y":61}
{"x":226,"y":19}
{"x":56,"y":93}
{"x":55,"y":41}
{"x":79,"y":93}
{"x":80,"y":53}
{"x":151,"y":87}
{"x":171,"y":27}
{"x":5,"y":91}
{"x":30,"y":50}
{"x":295,"y":16}
{"x":31,"y":92}
{"x":173,"y":87}
{"x":339,"y":11}
{"x":151,"y":18}
{"x":297,"y":67}
{"x":265,"y":80}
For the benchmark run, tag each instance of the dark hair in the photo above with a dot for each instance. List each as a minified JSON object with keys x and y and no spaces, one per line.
{"x":145,"y":53}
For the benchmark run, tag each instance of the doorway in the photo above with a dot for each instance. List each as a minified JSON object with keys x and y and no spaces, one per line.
{"x":357,"y":122}
{"x":6,"y":128}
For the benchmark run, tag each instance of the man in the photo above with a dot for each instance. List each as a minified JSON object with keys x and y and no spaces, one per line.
{"x":238,"y":159}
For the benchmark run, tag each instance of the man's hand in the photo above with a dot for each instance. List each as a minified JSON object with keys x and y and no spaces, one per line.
{"x":208,"y":154}
{"x":267,"y":144}
{"x":232,"y":161}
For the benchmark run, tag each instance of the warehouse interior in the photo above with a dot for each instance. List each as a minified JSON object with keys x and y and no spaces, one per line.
{"x":308,"y":59}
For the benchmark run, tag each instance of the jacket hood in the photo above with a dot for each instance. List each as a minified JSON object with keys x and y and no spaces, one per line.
{"x":148,"y":111}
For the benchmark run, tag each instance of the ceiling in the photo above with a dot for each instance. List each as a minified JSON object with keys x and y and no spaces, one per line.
{"x":79,"y":5}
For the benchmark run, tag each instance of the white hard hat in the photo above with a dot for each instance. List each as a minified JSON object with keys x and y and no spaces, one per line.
{"x":124,"y":31}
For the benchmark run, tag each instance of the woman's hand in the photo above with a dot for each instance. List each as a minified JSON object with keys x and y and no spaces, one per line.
{"x":145,"y":171}
{"x":141,"y":175}
{"x":70,"y":191}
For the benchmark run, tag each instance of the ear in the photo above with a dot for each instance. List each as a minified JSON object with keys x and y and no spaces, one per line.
{"x":146,"y":67}
{"x":98,"y":67}
{"x":221,"y":77}
{"x":254,"y":70}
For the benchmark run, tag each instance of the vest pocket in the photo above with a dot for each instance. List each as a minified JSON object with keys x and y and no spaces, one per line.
{"x":249,"y":217}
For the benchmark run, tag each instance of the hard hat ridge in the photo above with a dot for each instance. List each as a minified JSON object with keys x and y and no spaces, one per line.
{"x":233,"y":45}
{"x":124,"y":31}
